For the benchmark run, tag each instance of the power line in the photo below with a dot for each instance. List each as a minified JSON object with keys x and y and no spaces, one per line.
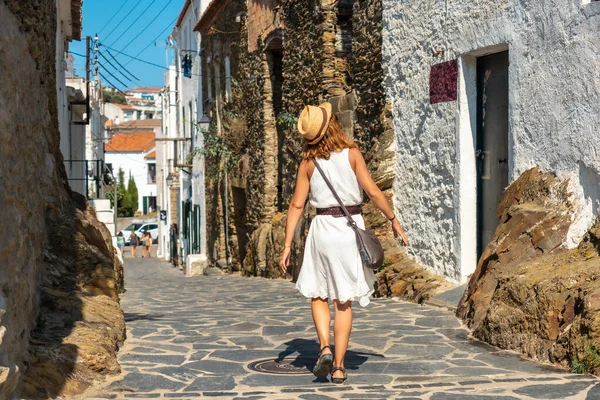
{"x":147,"y":26}
{"x":135,"y":58}
{"x":117,"y":69}
{"x":121,"y":65}
{"x":117,"y":79}
{"x":136,"y":20}
{"x":140,"y":60}
{"x":124,"y":18}
{"x":155,"y":39}
{"x":114,"y":15}
{"x":112,"y":84}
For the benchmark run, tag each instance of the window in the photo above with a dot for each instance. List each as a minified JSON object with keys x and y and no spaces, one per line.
{"x":139,"y":114}
{"x":152,"y":173}
{"x":149,"y":115}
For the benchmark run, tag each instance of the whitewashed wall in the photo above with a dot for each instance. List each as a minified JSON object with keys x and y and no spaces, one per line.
{"x":554,"y":119}
{"x":134,"y":162}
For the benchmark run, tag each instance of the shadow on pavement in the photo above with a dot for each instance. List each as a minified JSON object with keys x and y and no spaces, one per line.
{"x":130,"y":317}
{"x":308,"y":351}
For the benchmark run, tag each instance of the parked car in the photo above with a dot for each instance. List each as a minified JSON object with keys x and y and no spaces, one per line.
{"x":139,"y":229}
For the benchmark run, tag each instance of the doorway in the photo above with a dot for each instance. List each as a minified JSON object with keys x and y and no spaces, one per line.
{"x":491,"y":142}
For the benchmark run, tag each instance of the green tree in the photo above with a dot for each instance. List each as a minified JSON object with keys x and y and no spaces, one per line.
{"x":124,"y":200}
{"x":133,"y":193}
{"x":111,"y":96}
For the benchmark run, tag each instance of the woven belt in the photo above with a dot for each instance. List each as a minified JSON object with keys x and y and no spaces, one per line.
{"x":337,"y":211}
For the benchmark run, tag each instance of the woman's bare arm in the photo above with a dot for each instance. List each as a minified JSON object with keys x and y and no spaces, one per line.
{"x":297,"y":204}
{"x":375,"y":194}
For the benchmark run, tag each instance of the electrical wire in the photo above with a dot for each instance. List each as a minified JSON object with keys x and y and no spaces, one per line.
{"x":140,"y":60}
{"x":147,"y":26}
{"x":117,"y":79}
{"x":114,"y":15}
{"x":134,"y":22}
{"x":121,"y":65}
{"x":117,"y":69}
{"x":112,"y":84}
{"x":124,"y":18}
{"x":155,"y":39}
{"x":135,"y":58}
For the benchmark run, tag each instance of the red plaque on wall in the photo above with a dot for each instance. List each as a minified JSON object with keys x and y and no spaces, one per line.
{"x":442,"y":82}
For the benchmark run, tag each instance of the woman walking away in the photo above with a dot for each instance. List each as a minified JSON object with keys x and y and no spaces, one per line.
{"x":148,"y":243}
{"x":332,"y":268}
{"x":120,"y":242}
{"x":133,"y":242}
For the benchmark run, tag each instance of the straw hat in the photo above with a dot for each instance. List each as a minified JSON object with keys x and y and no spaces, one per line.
{"x":313,"y":122}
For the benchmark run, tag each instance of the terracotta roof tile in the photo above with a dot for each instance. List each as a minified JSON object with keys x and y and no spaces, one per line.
{"x":123,"y":106}
{"x":146,"y":89}
{"x":152,"y":154}
{"x":186,"y":5}
{"x":76,"y":18}
{"x":209,"y":15}
{"x":130,"y":142}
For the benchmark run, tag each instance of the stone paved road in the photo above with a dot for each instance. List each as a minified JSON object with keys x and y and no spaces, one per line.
{"x":195,"y":337}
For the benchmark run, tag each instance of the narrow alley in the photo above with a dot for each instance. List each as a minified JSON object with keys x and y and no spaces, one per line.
{"x":250,"y":338}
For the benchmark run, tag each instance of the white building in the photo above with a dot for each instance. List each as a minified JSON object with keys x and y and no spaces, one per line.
{"x":146,"y":101}
{"x":481,"y":92}
{"x":134,"y":153}
{"x":119,"y":113}
{"x":182,"y":126}
{"x":167,"y":197}
{"x":72,"y":137}
{"x":86,"y":155}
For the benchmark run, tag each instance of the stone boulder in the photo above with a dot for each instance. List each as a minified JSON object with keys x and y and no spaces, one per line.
{"x":530,"y":292}
{"x":80,"y":325}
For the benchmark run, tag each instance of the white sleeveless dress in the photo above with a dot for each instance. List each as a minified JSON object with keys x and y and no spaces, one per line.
{"x":332,"y":268}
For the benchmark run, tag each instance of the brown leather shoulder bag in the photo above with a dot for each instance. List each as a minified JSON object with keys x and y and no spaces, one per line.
{"x":369,"y":247}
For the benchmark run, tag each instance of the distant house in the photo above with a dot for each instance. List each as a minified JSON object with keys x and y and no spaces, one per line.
{"x":134,"y":153}
{"x":146,"y":101}
{"x":119,"y":113}
{"x":136,"y":126}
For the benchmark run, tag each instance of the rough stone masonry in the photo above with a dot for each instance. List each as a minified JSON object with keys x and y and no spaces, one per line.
{"x":58,"y":270}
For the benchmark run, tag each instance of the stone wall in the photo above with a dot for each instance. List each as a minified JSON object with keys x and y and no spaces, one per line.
{"x":331,"y":52}
{"x":263,"y":16}
{"x":52,"y":248}
{"x":552,"y":72}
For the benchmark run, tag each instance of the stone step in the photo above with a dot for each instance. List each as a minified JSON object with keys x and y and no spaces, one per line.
{"x":106,"y":217}
{"x":101,"y":204}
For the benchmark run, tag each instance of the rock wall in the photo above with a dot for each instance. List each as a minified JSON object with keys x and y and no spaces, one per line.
{"x":530,"y":293}
{"x":552,"y":89}
{"x":52,"y":249}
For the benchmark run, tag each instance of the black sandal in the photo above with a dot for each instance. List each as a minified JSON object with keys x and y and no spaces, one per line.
{"x":324,"y":362}
{"x":338,"y":380}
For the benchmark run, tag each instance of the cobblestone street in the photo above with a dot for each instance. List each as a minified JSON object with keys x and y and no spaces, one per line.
{"x":201,"y":337}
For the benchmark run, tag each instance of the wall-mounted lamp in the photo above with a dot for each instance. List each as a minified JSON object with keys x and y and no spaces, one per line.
{"x":238,"y":17}
{"x":169,"y":180}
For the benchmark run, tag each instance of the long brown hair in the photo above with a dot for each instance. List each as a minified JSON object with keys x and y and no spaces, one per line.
{"x":335,"y":139}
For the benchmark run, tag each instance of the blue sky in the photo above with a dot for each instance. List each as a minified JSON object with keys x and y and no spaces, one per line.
{"x":153,"y":16}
